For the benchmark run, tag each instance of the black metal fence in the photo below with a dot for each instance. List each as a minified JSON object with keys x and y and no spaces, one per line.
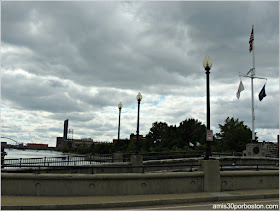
{"x":58,"y":161}
{"x":105,"y":158}
{"x":165,"y":155}
{"x":178,"y":154}
{"x":257,"y":167}
{"x":96,"y":169}
{"x":170,"y":168}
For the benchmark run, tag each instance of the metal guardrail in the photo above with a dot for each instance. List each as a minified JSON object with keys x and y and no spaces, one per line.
{"x":57,"y":161}
{"x":256,"y":167}
{"x":151,"y":168}
{"x":105,"y":158}
{"x":182,"y":167}
{"x":227,"y":154}
{"x":165,"y":155}
{"x":178,"y":154}
{"x":129,"y":168}
{"x":102,"y":158}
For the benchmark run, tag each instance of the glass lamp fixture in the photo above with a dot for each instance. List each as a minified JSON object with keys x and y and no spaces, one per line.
{"x":207,"y":62}
{"x":139,"y":97}
{"x":120,"y":105}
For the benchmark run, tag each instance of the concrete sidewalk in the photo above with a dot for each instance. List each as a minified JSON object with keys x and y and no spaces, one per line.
{"x":99,"y":202}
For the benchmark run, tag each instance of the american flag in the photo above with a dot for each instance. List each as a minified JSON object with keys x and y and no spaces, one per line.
{"x":251,"y":40}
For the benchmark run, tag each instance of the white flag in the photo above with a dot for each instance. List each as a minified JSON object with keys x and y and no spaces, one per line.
{"x":240,"y":89}
{"x":191,"y":144}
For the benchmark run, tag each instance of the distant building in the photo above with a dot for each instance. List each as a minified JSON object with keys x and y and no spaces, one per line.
{"x":62,"y":143}
{"x":132,"y":137}
{"x":3,"y":144}
{"x":36,"y":146}
{"x":271,"y":147}
{"x":81,"y":142}
{"x":121,"y":140}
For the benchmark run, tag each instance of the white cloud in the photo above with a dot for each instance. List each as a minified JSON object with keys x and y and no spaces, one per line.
{"x":79,"y":62}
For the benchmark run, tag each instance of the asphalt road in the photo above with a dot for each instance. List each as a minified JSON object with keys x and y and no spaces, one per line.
{"x":250,"y":204}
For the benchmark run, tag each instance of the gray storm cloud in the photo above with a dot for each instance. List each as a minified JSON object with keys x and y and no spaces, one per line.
{"x":77,"y":60}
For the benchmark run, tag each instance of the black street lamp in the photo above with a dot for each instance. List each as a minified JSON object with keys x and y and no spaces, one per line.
{"x":207,"y":64}
{"x":120,"y":108}
{"x":139,"y":98}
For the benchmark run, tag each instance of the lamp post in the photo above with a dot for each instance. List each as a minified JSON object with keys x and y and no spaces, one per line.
{"x":120,"y":108}
{"x":207,"y":64}
{"x":139,"y":98}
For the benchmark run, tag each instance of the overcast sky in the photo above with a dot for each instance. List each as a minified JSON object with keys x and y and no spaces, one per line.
{"x":78,"y":60}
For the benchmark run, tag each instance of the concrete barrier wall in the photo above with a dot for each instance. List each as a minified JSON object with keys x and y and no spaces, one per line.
{"x":247,"y":180}
{"x":131,"y":184}
{"x":101,"y":184}
{"x":207,"y":178}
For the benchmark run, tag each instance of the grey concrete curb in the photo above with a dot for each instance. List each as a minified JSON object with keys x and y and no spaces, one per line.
{"x":138,"y":203}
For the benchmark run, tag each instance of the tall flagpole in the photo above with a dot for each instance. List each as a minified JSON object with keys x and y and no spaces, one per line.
{"x":253,"y":72}
{"x":252,"y":76}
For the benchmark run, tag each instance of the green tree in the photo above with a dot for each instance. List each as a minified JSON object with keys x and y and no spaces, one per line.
{"x":92,"y":147}
{"x":103,"y":148}
{"x":233,"y":136}
{"x":162,"y":137}
{"x":146,"y":145}
{"x":158,"y":137}
{"x":122,"y":146}
{"x":191,"y":130}
{"x":158,"y":132}
{"x":83,"y":149}
{"x":131,"y":146}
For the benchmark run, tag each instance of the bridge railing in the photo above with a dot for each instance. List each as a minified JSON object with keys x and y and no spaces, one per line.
{"x":118,"y":168}
{"x":178,"y":154}
{"x":166,"y":155}
{"x":57,"y":161}
{"x":96,"y":169}
{"x":257,"y":167}
{"x":105,"y":158}
{"x":219,"y":154}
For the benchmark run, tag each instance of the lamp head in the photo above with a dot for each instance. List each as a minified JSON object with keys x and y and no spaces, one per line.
{"x":207,"y":62}
{"x":139,"y":97}
{"x":120,"y":105}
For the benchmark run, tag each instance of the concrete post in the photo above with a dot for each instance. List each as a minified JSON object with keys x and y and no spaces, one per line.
{"x":211,"y":169}
{"x":137,"y":161}
{"x":3,"y":154}
{"x":117,"y":157}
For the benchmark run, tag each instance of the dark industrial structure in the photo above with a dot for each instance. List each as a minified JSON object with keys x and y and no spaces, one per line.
{"x":65,"y":129}
{"x":65,"y":143}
